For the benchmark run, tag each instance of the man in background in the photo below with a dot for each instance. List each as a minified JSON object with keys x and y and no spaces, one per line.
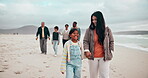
{"x":43,"y":32}
{"x":65,"y":34}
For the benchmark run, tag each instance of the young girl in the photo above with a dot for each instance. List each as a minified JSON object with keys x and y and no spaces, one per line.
{"x":72,"y":56}
{"x":55,"y":39}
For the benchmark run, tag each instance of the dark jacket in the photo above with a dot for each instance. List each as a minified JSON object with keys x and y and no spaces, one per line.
{"x":108,"y":43}
{"x":55,"y":36}
{"x":46,"y":32}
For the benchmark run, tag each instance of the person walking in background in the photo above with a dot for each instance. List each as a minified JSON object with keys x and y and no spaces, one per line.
{"x":98,"y":46}
{"x":44,"y":34}
{"x":75,"y":27}
{"x":55,"y":39}
{"x":65,"y":34}
{"x":72,"y":56}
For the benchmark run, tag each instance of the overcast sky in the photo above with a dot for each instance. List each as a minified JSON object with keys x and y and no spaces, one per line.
{"x":17,"y":13}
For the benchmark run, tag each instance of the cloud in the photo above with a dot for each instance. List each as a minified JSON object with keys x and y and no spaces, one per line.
{"x":2,"y":9}
{"x":59,"y":12}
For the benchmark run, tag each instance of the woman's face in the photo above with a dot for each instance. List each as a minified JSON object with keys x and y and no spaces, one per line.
{"x":94,"y":20}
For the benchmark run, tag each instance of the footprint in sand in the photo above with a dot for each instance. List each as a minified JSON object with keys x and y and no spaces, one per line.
{"x":2,"y":71}
{"x":84,"y":76}
{"x":30,"y":53}
{"x":113,"y":69}
{"x":83,"y":70}
{"x":44,"y":62}
{"x":18,"y":62}
{"x":42,"y":77}
{"x":120,"y":75}
{"x":5,"y":67}
{"x":47,"y":66}
{"x":18,"y":72}
{"x":5,"y":61}
{"x":40,"y":70}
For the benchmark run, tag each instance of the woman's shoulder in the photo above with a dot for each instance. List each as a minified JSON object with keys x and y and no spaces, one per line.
{"x":87,"y":29}
{"x":107,"y":29}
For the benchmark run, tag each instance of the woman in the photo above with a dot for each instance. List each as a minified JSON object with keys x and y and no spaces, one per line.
{"x":98,"y":46}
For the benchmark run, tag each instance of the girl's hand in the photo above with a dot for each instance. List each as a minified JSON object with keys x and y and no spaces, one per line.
{"x":36,"y":38}
{"x":62,"y":72}
{"x":88,"y":54}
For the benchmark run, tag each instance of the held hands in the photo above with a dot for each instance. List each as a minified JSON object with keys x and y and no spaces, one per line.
{"x":88,"y":54}
{"x":62,"y":72}
{"x":49,"y":38}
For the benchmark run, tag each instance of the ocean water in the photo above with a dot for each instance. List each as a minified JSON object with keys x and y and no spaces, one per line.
{"x":139,"y":42}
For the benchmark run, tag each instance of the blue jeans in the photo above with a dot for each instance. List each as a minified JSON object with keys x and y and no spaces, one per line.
{"x":73,"y":68}
{"x":55,"y":46}
{"x":73,"y":71}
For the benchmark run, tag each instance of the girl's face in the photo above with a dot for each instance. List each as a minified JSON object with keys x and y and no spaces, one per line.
{"x":74,"y":35}
{"x":94,"y":20}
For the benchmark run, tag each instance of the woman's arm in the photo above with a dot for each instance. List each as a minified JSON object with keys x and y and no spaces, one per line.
{"x":111,"y":40}
{"x":86,"y":44}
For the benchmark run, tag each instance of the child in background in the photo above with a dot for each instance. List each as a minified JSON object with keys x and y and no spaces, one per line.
{"x":72,"y":56}
{"x":55,"y":39}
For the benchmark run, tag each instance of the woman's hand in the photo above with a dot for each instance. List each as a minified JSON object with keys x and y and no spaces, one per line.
{"x":88,"y":54}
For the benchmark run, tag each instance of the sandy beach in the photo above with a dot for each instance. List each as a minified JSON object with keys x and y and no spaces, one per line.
{"x":20,"y":57}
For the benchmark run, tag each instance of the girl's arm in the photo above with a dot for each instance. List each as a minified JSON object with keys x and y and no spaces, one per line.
{"x":64,"y":59}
